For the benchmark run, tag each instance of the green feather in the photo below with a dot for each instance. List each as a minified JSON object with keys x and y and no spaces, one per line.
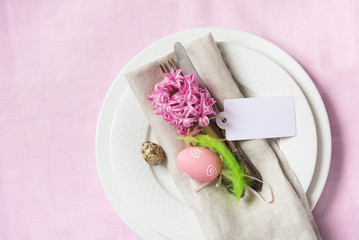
{"x":233,"y":173}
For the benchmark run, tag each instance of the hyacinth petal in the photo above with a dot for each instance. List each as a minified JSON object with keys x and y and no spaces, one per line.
{"x":203,"y":121}
{"x":190,"y":111}
{"x":181,"y":130}
{"x":188,"y":122}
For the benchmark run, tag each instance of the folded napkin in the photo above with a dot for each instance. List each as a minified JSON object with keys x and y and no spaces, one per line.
{"x":217,"y":211}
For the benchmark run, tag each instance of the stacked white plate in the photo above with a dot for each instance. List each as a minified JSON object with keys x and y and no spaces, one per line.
{"x":145,"y":197}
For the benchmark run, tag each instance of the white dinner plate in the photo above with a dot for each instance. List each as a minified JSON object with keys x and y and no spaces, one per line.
{"x":146,"y":198}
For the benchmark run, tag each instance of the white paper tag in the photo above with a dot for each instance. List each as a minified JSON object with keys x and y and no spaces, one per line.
{"x":262,"y":117}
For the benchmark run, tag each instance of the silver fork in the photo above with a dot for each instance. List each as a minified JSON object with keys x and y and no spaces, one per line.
{"x":233,"y":146}
{"x":166,"y":67}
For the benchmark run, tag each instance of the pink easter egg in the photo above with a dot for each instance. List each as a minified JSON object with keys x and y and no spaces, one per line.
{"x":201,"y":164}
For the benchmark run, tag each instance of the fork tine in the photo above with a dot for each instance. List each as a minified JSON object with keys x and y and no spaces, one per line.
{"x":163,"y":69}
{"x":166,"y":67}
{"x":172,"y":65}
{"x":175,"y":64}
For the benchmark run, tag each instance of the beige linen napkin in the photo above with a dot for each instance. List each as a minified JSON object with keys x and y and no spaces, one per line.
{"x":217,"y":212}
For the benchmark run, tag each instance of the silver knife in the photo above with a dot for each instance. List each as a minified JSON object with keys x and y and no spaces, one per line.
{"x":187,"y":69}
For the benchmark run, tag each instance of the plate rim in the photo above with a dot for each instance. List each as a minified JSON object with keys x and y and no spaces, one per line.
{"x":280,"y":57}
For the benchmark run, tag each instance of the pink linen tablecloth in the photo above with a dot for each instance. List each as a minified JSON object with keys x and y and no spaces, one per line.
{"x":59,"y":58}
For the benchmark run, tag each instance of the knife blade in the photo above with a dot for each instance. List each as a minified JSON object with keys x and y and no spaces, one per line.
{"x":186,"y":64}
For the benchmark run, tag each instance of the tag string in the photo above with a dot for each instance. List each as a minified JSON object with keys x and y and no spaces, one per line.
{"x":198,"y":125}
{"x":218,"y":117}
{"x":205,"y":184}
{"x":257,"y":194}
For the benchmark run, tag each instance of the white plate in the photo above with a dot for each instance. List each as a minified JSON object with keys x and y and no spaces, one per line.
{"x":144,"y":187}
{"x":126,"y":193}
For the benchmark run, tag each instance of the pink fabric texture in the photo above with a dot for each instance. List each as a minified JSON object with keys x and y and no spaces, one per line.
{"x":59,"y":58}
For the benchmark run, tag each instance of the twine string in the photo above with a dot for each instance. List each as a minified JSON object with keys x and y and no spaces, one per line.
{"x":257,"y":194}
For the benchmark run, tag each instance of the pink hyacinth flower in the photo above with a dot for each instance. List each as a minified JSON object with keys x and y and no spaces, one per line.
{"x":181,"y":101}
